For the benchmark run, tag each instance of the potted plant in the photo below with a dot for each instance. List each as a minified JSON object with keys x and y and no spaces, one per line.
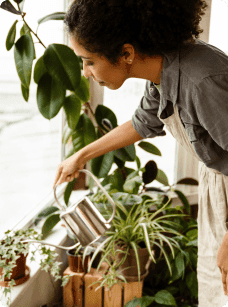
{"x":13,"y":254}
{"x":79,"y":258}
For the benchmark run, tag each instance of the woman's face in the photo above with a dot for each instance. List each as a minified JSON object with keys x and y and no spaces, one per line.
{"x":100,"y":69}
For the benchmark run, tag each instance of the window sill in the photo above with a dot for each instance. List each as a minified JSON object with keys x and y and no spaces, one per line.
{"x":38,"y":290}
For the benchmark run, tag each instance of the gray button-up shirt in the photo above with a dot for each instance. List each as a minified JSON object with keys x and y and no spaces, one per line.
{"x":196,"y":80}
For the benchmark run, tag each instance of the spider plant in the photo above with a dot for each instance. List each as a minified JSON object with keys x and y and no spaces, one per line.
{"x":135,"y":225}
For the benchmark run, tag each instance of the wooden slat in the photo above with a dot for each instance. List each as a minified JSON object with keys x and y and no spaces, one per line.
{"x":113,"y":296}
{"x":93,"y":297}
{"x":73,"y":291}
{"x":131,"y":290}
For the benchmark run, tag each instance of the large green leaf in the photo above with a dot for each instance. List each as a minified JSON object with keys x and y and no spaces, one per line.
{"x":84,"y":133}
{"x":126,"y":154}
{"x":179,"y":263}
{"x":25,"y":30}
{"x":162,"y":178}
{"x":39,"y":69}
{"x":150,"y":148}
{"x":62,"y":64}
{"x":104,"y":112}
{"x":49,"y":224}
{"x":150,"y":173}
{"x":142,"y":302}
{"x":192,"y":283}
{"x":68,"y":190}
{"x":50,"y":96}
{"x":25,"y":92}
{"x":6,"y":5}
{"x":82,"y":92}
{"x":72,"y":107}
{"x":165,"y":297}
{"x":53,"y":16}
{"x":184,"y":200}
{"x":10,"y":40}
{"x":102,"y":165}
{"x":189,"y":181}
{"x":24,"y":55}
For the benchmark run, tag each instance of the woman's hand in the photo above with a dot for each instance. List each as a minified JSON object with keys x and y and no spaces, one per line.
{"x":222,"y":262}
{"x":68,"y":169}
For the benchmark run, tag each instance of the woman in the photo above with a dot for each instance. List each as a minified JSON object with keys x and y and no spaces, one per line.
{"x":186,"y":90}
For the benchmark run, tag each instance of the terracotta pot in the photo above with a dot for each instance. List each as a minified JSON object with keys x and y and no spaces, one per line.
{"x":76,"y":261}
{"x":19,"y":271}
{"x":129,"y":267}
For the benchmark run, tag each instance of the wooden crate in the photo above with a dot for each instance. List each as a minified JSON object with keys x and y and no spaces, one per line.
{"x":81,"y":292}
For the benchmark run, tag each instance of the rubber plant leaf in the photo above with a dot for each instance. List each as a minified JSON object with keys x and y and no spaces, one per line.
{"x":68,"y":190}
{"x":184,"y":201}
{"x":82,"y":92}
{"x":25,"y":30}
{"x":67,"y":133}
{"x":150,"y":148}
{"x":39,"y":70}
{"x":18,"y":1}
{"x":10,"y":40}
{"x":50,"y":96}
{"x":6,"y":5}
{"x":24,"y":55}
{"x":84,"y":133}
{"x":62,"y":64}
{"x":49,"y":224}
{"x":126,"y":154}
{"x":72,"y":107}
{"x":25,"y":92}
{"x":101,"y":165}
{"x":53,"y":16}
{"x":165,"y":297}
{"x":189,"y":181}
{"x":104,"y":112}
{"x":150,"y":173}
{"x":162,"y":178}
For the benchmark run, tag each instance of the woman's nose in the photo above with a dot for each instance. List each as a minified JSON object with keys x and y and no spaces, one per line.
{"x":86,"y":71}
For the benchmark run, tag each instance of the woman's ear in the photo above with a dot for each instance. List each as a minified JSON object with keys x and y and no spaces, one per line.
{"x":128,"y":53}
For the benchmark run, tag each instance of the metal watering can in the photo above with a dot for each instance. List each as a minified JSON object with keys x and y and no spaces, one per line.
{"x":83,"y":219}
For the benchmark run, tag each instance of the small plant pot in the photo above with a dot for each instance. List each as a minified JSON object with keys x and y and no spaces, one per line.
{"x":20,"y":273}
{"x":129,"y":267}
{"x":76,"y":261}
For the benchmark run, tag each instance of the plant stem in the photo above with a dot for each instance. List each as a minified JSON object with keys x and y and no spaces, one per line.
{"x":87,"y":105}
{"x":23,"y":17}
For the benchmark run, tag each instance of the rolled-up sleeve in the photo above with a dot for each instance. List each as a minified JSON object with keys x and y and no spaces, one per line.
{"x":211,"y":104}
{"x":145,"y":120}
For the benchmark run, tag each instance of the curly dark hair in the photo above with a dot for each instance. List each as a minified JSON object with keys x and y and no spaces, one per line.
{"x":153,"y":27}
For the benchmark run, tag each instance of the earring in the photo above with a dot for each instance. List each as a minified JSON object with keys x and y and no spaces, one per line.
{"x":130,"y":61}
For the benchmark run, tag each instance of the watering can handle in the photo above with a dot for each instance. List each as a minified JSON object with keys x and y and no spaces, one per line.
{"x":101,"y":187}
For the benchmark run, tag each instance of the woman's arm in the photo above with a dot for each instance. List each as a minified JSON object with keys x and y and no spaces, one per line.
{"x":119,"y":137}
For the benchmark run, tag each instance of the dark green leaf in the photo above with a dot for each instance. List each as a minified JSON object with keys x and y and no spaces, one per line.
{"x":25,"y":30}
{"x":68,"y":191}
{"x":39,"y":69}
{"x":126,"y":154}
{"x":142,"y":302}
{"x":63,"y":65}
{"x":192,"y":283}
{"x":189,"y":181}
{"x":138,"y":162}
{"x":102,"y":165}
{"x":25,"y":92}
{"x":18,"y":1}
{"x":24,"y":55}
{"x":6,"y":5}
{"x":162,"y":178}
{"x":53,"y":16}
{"x":164,"y":297}
{"x":82,"y":92}
{"x":47,"y":211}
{"x":104,"y":112}
{"x":184,"y":201}
{"x":150,"y":148}
{"x":10,"y":40}
{"x":49,"y":224}
{"x":50,"y":96}
{"x":84,"y":133}
{"x":119,"y":162}
{"x":179,"y":263}
{"x":72,"y":107}
{"x":150,"y":173}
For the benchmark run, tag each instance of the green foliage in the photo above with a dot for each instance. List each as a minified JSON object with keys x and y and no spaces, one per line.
{"x":11,"y":36}
{"x":11,"y":247}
